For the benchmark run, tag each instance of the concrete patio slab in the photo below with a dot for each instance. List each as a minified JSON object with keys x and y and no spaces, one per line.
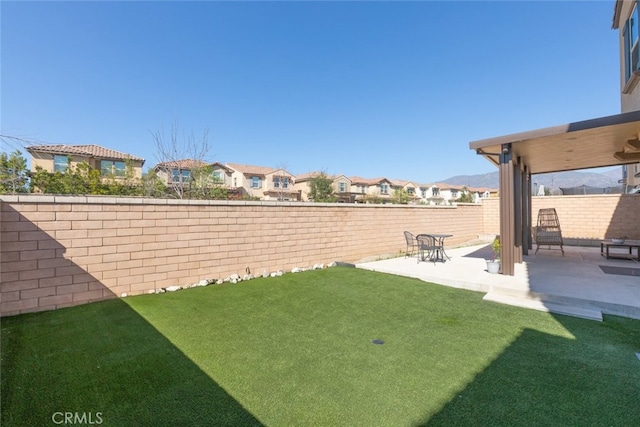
{"x":544,"y":281}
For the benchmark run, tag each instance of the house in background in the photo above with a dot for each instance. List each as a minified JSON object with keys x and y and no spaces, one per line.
{"x":430,"y":194}
{"x":263,"y":182}
{"x":371,"y":188}
{"x":341,"y":186}
{"x":177,"y":171}
{"x":181,"y":171}
{"x":57,"y":158}
{"x":412,"y":189}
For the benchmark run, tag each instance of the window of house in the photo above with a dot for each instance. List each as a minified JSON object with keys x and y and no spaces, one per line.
{"x":435,"y":191}
{"x":256,"y":182}
{"x":235,"y":181}
{"x":410,"y":190}
{"x":454,"y":194}
{"x":631,"y":48}
{"x":181,"y":175}
{"x":342,"y":187}
{"x":384,"y":189}
{"x":108,"y":167}
{"x":217,"y":176}
{"x":280,"y":181}
{"x":60,"y":163}
{"x":363,"y":189}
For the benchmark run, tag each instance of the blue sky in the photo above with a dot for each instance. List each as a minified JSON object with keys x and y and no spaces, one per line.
{"x":395,"y":89}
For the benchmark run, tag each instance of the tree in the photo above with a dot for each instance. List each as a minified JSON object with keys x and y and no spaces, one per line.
{"x":173,"y":150}
{"x":465,"y":197}
{"x":83,"y":179}
{"x":123,"y":184}
{"x":400,"y":196}
{"x":320,"y":188}
{"x":14,"y":177}
{"x":151,"y":185}
{"x":79,"y":179}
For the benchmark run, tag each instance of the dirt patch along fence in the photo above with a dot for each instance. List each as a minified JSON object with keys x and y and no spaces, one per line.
{"x":59,"y":251}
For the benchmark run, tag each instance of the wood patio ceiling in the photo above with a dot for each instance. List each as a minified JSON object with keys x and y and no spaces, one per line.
{"x":605,"y":141}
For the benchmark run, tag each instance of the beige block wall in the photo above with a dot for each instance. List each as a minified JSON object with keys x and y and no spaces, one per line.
{"x":583,"y":219}
{"x":58,"y":251}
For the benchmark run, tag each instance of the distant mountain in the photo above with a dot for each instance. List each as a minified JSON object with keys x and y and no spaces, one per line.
{"x":550,"y":180}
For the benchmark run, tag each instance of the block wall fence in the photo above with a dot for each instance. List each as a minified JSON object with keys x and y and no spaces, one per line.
{"x":59,"y":251}
{"x":583,"y":219}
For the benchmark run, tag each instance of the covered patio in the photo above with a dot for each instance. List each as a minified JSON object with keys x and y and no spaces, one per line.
{"x":606,"y":141}
{"x":573,"y":284}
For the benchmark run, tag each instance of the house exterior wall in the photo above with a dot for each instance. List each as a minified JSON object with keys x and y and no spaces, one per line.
{"x":225,"y":176}
{"x":45,"y":160}
{"x":304,"y":188}
{"x":278,"y":193}
{"x":240,"y":181}
{"x":630,"y":101}
{"x":59,"y":251}
{"x":629,"y":98}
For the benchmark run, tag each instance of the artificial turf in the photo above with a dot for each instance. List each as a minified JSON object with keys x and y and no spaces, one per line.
{"x":297,"y":350}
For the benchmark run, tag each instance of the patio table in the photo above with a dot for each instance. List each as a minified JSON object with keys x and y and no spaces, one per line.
{"x":439,"y":239}
{"x":606,"y":245}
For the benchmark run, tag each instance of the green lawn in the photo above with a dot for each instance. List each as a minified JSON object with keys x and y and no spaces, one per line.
{"x":297,"y":351}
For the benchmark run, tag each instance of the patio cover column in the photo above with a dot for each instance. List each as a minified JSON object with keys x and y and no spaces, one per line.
{"x":507,"y":210}
{"x":527,"y":242}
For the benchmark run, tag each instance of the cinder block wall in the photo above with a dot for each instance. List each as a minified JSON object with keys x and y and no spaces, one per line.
{"x":583,"y":219}
{"x":59,"y":251}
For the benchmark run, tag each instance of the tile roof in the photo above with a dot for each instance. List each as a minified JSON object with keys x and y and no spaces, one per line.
{"x":181,"y":164}
{"x":367,"y":181}
{"x":306,"y":176}
{"x":84,"y":150}
{"x":251,"y":170}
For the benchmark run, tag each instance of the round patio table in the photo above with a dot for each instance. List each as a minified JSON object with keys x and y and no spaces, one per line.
{"x":440,"y":253}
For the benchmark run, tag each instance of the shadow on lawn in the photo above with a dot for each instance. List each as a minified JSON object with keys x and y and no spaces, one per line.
{"x":107,"y":362}
{"x":94,"y":358}
{"x":530,"y":385}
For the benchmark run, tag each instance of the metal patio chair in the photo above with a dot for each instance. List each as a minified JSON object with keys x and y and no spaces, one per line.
{"x":412,"y":244}
{"x":428,"y":248}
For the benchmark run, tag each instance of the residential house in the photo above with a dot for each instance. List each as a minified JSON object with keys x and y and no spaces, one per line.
{"x":482,"y":193}
{"x":341,"y":186}
{"x":57,"y":158}
{"x":177,"y":171}
{"x":413,"y":190}
{"x":446,"y":194}
{"x":430,"y":194}
{"x":264,"y":183}
{"x":371,"y":189}
{"x":181,"y":171}
{"x":627,"y":19}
